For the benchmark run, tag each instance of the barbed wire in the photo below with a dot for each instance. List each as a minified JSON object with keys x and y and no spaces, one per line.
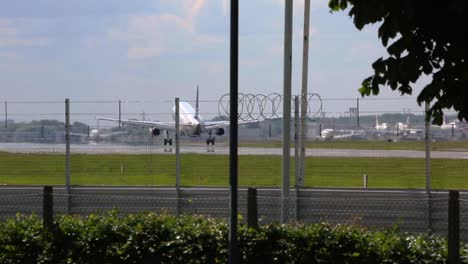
{"x":260,"y":106}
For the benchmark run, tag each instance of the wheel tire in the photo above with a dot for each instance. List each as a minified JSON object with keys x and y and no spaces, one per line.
{"x":212,"y":141}
{"x":207,"y":142}
{"x":170,"y":142}
{"x":165,"y":142}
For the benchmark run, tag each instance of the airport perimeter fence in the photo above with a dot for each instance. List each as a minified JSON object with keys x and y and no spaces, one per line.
{"x":343,"y":149}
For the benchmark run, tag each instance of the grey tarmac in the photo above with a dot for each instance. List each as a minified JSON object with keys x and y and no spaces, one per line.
{"x":220,"y":149}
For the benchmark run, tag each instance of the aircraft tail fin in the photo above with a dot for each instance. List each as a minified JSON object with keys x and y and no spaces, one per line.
{"x":196,"y":105}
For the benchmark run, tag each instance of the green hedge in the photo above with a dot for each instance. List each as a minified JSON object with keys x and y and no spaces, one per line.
{"x":151,"y":238}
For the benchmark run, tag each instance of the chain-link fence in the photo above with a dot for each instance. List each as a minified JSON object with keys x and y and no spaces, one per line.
{"x":379,"y":150}
{"x":409,"y":210}
{"x":366,"y":145}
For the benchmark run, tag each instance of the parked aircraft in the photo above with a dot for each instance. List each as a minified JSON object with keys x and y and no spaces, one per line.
{"x":405,"y":129}
{"x":450,"y":125}
{"x":403,"y":126}
{"x":454,"y":128}
{"x":378,"y":126}
{"x":191,"y":124}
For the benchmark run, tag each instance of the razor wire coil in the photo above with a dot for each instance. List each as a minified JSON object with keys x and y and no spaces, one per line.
{"x":261,"y":106}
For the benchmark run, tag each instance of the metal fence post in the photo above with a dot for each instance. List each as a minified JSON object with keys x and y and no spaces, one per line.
{"x":297,"y":159}
{"x":48,"y":208}
{"x":288,"y":15}
{"x":67,"y":152}
{"x":177,"y":152}
{"x":6,"y":114}
{"x":365,"y":181}
{"x":428,"y":170}
{"x":453,"y":228}
{"x":120,"y":113}
{"x":252,"y":208}
{"x":296,"y":139}
{"x":357,"y":112}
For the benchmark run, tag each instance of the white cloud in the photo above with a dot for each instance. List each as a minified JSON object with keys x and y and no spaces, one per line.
{"x":11,"y":37}
{"x":192,"y":10}
{"x":363,"y":51}
{"x":4,"y":22}
{"x":216,"y":68}
{"x":142,"y":34}
{"x":298,"y":5}
{"x":209,"y":39}
{"x":144,"y":52}
{"x":151,"y":35}
{"x":225,"y":6}
{"x":276,"y":50}
{"x":8,"y":56}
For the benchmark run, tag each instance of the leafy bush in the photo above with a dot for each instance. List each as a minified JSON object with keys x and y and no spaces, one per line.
{"x":151,"y":238}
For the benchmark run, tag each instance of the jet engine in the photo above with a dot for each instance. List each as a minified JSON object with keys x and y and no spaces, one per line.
{"x":219,"y":131}
{"x":155,"y":131}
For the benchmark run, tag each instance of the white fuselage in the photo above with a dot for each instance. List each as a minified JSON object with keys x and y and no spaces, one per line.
{"x":190,"y":124}
{"x":94,"y":135}
{"x":382,"y":126}
{"x":378,"y":126}
{"x":327,"y":134}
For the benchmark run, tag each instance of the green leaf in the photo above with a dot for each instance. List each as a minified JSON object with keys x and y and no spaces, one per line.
{"x":334,"y":5}
{"x":365,"y":89}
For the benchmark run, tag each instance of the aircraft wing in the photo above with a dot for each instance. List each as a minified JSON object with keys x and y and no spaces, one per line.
{"x":154,"y":124}
{"x":113,"y":134}
{"x":220,"y":124}
{"x":74,"y":134}
{"x":349,"y":135}
{"x":344,"y":136}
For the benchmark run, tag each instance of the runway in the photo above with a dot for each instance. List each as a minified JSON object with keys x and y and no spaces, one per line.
{"x":221,"y":149}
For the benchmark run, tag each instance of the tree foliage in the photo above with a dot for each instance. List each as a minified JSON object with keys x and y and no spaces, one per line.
{"x":427,"y":37}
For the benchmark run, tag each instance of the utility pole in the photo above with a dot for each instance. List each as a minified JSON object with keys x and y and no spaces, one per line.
{"x":304,"y":103}
{"x":288,"y":15}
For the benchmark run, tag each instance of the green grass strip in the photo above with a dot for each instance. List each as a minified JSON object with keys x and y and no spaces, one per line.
{"x":212,"y":170}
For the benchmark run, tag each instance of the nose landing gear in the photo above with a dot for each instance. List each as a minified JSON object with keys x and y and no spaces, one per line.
{"x":210,"y":140}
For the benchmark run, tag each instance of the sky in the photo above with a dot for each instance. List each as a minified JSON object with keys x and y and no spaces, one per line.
{"x":148,"y":50}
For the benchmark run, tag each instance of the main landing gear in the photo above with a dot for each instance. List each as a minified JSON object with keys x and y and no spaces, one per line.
{"x":167,"y":142}
{"x":210,"y":140}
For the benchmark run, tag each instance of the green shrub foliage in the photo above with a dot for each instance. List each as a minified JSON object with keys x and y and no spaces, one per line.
{"x":151,"y":238}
